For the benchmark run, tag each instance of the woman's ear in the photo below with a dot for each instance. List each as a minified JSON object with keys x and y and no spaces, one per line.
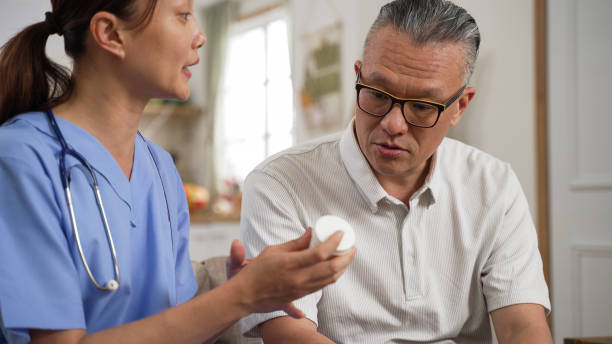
{"x":107,"y":34}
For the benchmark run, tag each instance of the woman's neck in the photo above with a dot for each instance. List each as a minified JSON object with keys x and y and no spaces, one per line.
{"x":102,"y":106}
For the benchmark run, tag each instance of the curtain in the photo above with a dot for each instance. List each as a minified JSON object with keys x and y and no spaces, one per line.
{"x":288,"y":9}
{"x":217,"y":19}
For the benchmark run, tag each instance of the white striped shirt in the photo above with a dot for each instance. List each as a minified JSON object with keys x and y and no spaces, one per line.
{"x":430,"y":272}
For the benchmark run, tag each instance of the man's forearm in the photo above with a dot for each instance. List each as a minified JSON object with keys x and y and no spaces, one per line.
{"x":536,"y":334}
{"x":521,"y":323}
{"x":290,"y":330}
{"x":297,"y":337}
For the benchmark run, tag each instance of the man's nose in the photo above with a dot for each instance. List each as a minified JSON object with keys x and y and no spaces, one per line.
{"x":394,"y":123}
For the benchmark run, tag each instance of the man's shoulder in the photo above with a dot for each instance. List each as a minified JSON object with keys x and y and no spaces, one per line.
{"x":455,"y":152}
{"x":463,"y":164}
{"x":309,"y":154}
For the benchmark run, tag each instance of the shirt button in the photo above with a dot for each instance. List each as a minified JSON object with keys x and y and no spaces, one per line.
{"x":133,"y":224}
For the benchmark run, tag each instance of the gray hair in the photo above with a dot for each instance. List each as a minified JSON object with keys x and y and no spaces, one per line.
{"x":431,"y":21}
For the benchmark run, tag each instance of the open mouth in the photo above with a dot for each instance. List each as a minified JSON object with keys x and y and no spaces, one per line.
{"x":186,"y":71}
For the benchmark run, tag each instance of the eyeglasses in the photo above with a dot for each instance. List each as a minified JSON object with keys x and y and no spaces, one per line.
{"x":417,"y":112}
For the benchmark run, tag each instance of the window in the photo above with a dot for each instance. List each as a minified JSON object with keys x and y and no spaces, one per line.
{"x":257,"y":115}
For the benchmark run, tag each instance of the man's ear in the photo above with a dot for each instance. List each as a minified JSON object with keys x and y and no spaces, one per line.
{"x":106,"y":33}
{"x":462,"y":103}
{"x":357,"y":66}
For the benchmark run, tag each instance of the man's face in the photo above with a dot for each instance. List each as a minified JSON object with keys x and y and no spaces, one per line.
{"x":393,"y":148}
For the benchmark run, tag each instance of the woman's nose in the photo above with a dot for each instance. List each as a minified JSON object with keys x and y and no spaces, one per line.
{"x":199,"y":39}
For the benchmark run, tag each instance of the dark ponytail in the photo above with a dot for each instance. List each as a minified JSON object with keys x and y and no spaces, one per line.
{"x":29,"y":80}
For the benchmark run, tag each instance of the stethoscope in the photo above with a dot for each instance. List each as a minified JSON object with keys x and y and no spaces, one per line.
{"x":112,"y":284}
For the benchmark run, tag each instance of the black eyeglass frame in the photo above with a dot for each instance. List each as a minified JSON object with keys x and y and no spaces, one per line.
{"x":401,"y":101}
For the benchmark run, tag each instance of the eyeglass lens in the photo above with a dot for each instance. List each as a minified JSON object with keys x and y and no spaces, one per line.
{"x":379,"y":104}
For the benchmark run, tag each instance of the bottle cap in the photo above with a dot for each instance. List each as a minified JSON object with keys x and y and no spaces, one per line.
{"x":328,"y":225}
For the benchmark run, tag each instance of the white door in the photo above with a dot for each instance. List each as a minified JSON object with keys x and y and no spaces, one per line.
{"x":580,"y":150}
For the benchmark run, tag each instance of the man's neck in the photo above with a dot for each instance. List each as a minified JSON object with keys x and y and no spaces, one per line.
{"x":404,"y":186}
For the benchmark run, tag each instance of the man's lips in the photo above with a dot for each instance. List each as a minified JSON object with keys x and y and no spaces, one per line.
{"x":390,"y":145}
{"x":389,"y":150}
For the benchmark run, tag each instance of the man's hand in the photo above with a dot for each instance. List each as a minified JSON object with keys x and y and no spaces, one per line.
{"x":521,"y":323}
{"x":283,"y":273}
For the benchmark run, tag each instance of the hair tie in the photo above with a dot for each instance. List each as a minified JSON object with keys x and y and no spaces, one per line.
{"x":52,"y":24}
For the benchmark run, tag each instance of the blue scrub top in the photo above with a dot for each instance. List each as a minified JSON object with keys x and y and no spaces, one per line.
{"x":43,"y":282}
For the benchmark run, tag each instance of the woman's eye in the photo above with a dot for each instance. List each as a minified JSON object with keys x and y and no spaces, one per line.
{"x":185,"y":15}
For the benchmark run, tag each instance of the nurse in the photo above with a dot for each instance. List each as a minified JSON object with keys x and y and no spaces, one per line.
{"x":75,"y":270}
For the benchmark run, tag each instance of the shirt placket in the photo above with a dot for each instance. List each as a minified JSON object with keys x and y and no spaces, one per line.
{"x":410,"y":258}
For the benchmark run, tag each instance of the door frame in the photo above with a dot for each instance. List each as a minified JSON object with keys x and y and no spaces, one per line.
{"x":541,"y":132}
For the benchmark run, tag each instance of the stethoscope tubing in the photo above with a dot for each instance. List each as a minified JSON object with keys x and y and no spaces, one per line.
{"x":112,"y":284}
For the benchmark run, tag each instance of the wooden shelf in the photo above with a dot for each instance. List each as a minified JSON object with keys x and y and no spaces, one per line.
{"x":171,"y":109}
{"x":204,"y":217}
{"x":587,"y":340}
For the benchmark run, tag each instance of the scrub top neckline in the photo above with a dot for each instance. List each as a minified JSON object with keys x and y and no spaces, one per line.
{"x":96,"y":154}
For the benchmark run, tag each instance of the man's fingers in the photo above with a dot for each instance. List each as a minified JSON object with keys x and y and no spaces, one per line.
{"x":297,"y":244}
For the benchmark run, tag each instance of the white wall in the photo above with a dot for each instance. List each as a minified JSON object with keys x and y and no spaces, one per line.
{"x":312,"y":16}
{"x":501,"y":119}
{"x":17,"y":14}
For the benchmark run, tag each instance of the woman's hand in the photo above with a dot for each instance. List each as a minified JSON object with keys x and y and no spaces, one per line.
{"x":283,"y":273}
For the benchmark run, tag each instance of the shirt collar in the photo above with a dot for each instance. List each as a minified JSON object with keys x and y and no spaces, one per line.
{"x":432,"y":180}
{"x":360,"y":171}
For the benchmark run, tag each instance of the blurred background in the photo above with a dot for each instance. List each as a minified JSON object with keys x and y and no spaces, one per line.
{"x":278,"y":73}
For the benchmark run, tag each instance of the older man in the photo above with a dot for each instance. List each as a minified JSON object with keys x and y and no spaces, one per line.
{"x":444,"y":235}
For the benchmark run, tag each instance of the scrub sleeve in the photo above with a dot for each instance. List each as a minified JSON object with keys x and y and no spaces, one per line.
{"x":39,"y":287}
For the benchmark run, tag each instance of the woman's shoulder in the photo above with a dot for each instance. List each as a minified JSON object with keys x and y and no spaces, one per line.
{"x":161,"y":158}
{"x":23,"y":137}
{"x":160,"y":155}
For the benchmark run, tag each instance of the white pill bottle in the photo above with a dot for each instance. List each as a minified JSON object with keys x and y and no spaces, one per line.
{"x":329,"y":224}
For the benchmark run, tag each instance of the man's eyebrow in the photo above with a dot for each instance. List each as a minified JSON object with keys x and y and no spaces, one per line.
{"x":378,"y":80}
{"x":430,"y":94}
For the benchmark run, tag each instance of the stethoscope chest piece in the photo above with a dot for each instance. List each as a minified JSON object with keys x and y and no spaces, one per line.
{"x":112,"y":285}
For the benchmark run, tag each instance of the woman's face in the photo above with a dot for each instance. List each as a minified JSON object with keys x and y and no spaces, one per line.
{"x":158,"y":57}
